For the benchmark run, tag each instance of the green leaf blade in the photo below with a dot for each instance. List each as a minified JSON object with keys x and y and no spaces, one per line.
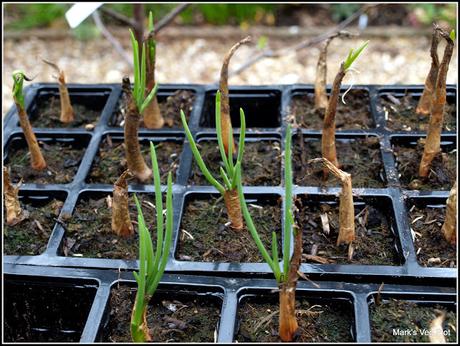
{"x":353,"y":55}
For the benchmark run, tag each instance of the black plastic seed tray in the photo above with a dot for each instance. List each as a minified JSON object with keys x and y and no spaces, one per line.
{"x":92,"y":289}
{"x":267,"y":109}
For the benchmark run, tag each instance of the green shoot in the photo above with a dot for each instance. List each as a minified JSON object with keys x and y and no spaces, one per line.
{"x":152,"y":263}
{"x":151,"y":43}
{"x":37,"y":161}
{"x":150,"y":26}
{"x":272,"y":261}
{"x":18,"y":78}
{"x":140,"y":78}
{"x":452,"y":35}
{"x":353,"y":55}
{"x":229,"y":172}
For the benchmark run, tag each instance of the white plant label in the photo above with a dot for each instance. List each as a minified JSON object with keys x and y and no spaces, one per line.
{"x":80,"y":11}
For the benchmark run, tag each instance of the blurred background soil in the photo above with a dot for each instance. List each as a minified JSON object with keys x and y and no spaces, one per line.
{"x":191,"y":48}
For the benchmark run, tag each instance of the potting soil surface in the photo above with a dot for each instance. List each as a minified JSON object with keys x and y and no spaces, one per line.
{"x":359,"y":157}
{"x":49,"y":113}
{"x":170,"y":317}
{"x":374,"y":243}
{"x":30,"y":236}
{"x":354,"y":114}
{"x":111,"y":162}
{"x":402,"y":115}
{"x":62,"y":162}
{"x":430,"y":245}
{"x":204,"y":235}
{"x":407,"y":316}
{"x":169,"y":108}
{"x":89,"y":230}
{"x":442,"y":173}
{"x":261,"y":163}
{"x":318,"y":321}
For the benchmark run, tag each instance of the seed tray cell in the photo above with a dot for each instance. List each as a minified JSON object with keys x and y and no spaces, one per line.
{"x":63,"y":152}
{"x":41,"y":309}
{"x":262,"y":108}
{"x":177,"y":97}
{"x":399,"y":103}
{"x":353,"y":115}
{"x":89,"y":104}
{"x":407,"y":317}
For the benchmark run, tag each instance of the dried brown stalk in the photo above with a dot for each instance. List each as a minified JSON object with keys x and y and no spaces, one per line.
{"x":436,"y":334}
{"x":134,"y":158}
{"x":424,"y":104}
{"x":67,"y":113}
{"x":288,"y":323}
{"x":433,"y":139}
{"x":450,"y":223}
{"x":346,"y":207}
{"x":121,"y":221}
{"x":232,"y":203}
{"x":14,"y":213}
{"x":225,"y":102}
{"x":36,"y":157}
{"x":328,"y":137}
{"x":321,"y":71}
{"x":152,"y":114}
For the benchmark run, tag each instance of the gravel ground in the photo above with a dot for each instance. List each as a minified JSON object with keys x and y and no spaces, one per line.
{"x":386,"y":61}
